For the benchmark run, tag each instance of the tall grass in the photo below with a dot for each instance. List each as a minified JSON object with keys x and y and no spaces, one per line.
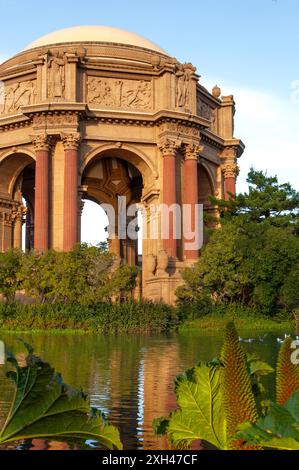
{"x":129,"y":317}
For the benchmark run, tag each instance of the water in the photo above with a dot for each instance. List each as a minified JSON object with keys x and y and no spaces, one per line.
{"x":130,"y":378}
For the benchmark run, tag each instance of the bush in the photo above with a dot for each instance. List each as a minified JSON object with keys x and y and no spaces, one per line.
{"x":102,"y":317}
{"x":84,"y":275}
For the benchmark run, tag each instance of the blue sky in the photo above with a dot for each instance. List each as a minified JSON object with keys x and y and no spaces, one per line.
{"x":248,"y":47}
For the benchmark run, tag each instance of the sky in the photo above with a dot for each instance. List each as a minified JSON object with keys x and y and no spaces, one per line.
{"x":248,"y":47}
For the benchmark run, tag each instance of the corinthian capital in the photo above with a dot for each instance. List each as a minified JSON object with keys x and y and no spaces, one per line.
{"x":169,"y":146}
{"x":71,"y":141}
{"x":41,"y":141}
{"x":192,"y":151}
{"x":230,"y":170}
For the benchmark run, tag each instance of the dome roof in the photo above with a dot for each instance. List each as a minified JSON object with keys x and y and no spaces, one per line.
{"x":95,"y":34}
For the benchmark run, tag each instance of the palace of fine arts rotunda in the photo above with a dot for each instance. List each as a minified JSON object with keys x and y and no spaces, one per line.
{"x":96,"y":113}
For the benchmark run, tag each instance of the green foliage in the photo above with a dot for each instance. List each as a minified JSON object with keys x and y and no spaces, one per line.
{"x":267,"y":201}
{"x":10,"y":263}
{"x":43,"y":406}
{"x":279,"y":429}
{"x":200,"y":414}
{"x":101,"y":317}
{"x":83,"y":276}
{"x":257,"y":370}
{"x":216,"y":403}
{"x":253,"y":258}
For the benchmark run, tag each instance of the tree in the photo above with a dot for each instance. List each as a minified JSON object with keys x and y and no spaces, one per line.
{"x":266,"y":201}
{"x":10,"y":263}
{"x":253,"y":257}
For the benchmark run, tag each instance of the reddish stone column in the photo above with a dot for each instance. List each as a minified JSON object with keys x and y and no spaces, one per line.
{"x":41,"y":197}
{"x":169,"y":151}
{"x":70,"y":210}
{"x":190,"y":195}
{"x":230,"y":171}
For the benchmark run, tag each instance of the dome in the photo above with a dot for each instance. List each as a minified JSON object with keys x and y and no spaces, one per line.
{"x":95,"y":34}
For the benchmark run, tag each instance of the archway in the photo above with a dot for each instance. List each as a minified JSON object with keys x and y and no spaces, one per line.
{"x":116,"y":184}
{"x":17,"y":182}
{"x":94,"y":223}
{"x":205,"y":190}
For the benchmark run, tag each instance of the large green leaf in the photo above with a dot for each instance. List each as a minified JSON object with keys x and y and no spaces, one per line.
{"x":200,"y":414}
{"x":43,"y":406}
{"x":279,"y":429}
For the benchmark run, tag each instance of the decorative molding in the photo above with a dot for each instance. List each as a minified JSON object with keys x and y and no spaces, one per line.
{"x":19,"y":213}
{"x":41,"y":141}
{"x":230,"y":170}
{"x":71,"y":141}
{"x":55,"y":120}
{"x":192,"y":151}
{"x":168,"y":146}
{"x":183,"y":129}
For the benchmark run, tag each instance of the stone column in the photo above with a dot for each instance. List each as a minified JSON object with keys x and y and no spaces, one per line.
{"x":6,"y":230}
{"x":190,"y":194}
{"x":70,"y":210}
{"x":169,"y":150}
{"x":18,"y":222}
{"x":230,"y":171}
{"x":41,"y":204}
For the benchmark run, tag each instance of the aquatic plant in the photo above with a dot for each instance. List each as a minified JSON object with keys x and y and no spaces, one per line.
{"x":287,"y":373}
{"x":44,"y":407}
{"x":217,"y":403}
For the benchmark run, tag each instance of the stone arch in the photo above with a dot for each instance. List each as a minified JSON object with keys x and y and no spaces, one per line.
{"x":17,"y":182}
{"x":206,"y":183}
{"x":12,"y":163}
{"x":107,"y":173}
{"x":130,"y":153}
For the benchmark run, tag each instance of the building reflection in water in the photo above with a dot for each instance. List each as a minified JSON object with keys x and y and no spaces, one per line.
{"x":129,"y":378}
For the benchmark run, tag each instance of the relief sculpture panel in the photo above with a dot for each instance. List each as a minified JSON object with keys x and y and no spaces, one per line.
{"x":119,"y":94}
{"x":17,"y":95}
{"x":208,"y":112}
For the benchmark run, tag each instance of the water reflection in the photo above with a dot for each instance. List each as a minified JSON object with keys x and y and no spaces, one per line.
{"x":130,"y":378}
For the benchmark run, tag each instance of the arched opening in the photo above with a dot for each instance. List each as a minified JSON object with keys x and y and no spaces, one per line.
{"x":205,"y":189}
{"x":17,"y":182}
{"x":115,"y":184}
{"x":94,"y":223}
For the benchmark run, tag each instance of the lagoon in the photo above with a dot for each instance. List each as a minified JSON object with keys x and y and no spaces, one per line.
{"x":130,"y":378}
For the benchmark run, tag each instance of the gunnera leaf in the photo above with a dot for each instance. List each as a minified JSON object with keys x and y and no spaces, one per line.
{"x":200,"y":415}
{"x":43,"y":406}
{"x":278,"y":430}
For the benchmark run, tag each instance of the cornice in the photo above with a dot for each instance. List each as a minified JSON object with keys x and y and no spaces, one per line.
{"x":217,"y":142}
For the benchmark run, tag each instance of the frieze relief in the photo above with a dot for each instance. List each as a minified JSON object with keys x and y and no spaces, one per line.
{"x":55,"y":120}
{"x":17,"y":95}
{"x":179,"y":129}
{"x":120,"y":94}
{"x":208,"y":112}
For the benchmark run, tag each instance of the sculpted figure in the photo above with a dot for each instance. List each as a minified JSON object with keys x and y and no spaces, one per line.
{"x":139,"y":96}
{"x":56,"y":76}
{"x":25,"y":95}
{"x":183,"y":86}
